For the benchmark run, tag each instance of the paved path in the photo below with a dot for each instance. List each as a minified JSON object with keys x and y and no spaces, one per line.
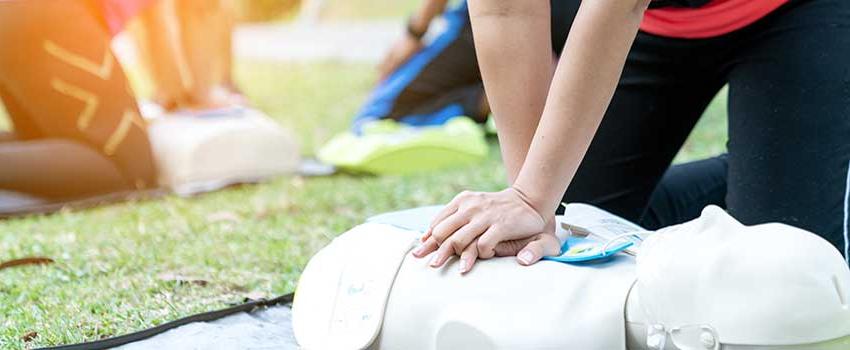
{"x":346,"y":41}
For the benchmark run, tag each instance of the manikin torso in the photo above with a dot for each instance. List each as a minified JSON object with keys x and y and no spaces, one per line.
{"x":366,"y":291}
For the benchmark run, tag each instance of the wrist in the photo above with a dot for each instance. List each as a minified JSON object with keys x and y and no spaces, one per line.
{"x":536,"y":198}
{"x":529,"y":202}
{"x":415,"y":29}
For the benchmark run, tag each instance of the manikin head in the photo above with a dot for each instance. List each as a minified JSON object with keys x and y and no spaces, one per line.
{"x":714,"y":281}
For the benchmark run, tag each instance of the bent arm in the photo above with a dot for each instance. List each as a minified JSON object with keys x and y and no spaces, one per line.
{"x":578,"y":97}
{"x":512,"y":40}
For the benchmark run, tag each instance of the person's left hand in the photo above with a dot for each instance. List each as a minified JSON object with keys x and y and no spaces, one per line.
{"x":486,"y":224}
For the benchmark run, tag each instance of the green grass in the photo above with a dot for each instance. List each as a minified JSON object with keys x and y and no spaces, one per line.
{"x":368,"y":9}
{"x":246,"y":241}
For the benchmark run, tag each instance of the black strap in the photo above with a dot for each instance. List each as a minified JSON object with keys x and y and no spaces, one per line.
{"x":249,"y":306}
{"x":678,"y":3}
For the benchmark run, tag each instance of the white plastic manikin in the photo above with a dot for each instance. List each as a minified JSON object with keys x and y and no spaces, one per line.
{"x":207,"y":152}
{"x":708,"y":284}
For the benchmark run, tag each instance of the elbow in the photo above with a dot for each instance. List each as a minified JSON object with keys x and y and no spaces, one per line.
{"x":507,"y":8}
{"x":640,"y":6}
{"x":631,"y":11}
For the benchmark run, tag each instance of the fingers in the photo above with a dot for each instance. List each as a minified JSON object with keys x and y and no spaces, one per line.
{"x":487,"y":243}
{"x":468,"y":257}
{"x":436,"y":236}
{"x":447,"y":211}
{"x":513,"y":247}
{"x":441,"y":256}
{"x":449,"y":227}
{"x":542,"y":245}
{"x":426,"y":248}
{"x":457,"y":243}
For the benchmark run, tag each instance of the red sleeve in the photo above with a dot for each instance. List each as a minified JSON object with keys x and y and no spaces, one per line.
{"x":718,"y":17}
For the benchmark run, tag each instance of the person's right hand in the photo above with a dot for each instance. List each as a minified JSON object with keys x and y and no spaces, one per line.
{"x":401,"y":51}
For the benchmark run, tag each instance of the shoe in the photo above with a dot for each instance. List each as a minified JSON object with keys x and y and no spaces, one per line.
{"x":388,"y":147}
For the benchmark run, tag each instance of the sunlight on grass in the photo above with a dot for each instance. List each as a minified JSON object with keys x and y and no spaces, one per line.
{"x":250,"y":240}
{"x":243,"y":241}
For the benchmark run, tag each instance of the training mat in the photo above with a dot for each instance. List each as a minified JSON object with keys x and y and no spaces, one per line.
{"x":269,"y":328}
{"x":10,"y":201}
{"x":14,"y":204}
{"x":267,"y":324}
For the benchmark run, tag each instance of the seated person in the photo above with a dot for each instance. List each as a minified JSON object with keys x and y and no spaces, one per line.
{"x":77,"y":131}
{"x":422,"y":87}
{"x":429,"y":83}
{"x":711,"y":283}
{"x":78,"y":134}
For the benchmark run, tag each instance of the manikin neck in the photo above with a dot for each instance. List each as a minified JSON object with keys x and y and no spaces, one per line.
{"x":636,"y":331}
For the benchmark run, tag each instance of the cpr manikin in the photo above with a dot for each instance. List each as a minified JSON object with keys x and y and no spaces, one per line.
{"x":708,"y":284}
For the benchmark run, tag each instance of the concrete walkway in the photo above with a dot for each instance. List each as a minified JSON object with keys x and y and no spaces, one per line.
{"x":345,"y":41}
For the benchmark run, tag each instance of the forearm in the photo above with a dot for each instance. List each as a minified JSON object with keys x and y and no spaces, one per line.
{"x":512,"y":40}
{"x":582,"y":88}
{"x":426,"y":13}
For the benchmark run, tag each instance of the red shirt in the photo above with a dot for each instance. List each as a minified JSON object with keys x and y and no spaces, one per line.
{"x":715,"y":18}
{"x":118,"y":12}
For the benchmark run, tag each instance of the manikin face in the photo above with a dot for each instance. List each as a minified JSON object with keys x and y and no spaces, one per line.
{"x":727,"y":283}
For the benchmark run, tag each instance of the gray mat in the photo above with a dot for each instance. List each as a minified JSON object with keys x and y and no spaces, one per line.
{"x":263,"y":329}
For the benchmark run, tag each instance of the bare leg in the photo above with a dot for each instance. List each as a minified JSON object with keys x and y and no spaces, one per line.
{"x":61,"y":81}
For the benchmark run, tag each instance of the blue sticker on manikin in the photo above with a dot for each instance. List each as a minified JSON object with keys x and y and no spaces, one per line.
{"x":580,"y":250}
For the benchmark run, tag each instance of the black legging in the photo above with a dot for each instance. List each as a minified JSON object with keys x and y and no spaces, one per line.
{"x":789,"y":121}
{"x":77,"y":130}
{"x":73,"y":170}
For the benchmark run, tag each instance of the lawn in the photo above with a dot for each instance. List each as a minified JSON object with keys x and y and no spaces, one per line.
{"x":131,"y":266}
{"x":368,"y":9}
{"x":127,"y":267}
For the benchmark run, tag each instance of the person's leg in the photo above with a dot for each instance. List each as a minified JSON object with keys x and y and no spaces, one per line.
{"x":57,"y":71}
{"x":789,"y":120}
{"x":467,"y":101}
{"x":57,"y":170}
{"x":665,"y":87}
{"x":683,"y":192}
{"x":7,"y":136}
{"x":23,"y":126}
{"x":446,"y":64}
